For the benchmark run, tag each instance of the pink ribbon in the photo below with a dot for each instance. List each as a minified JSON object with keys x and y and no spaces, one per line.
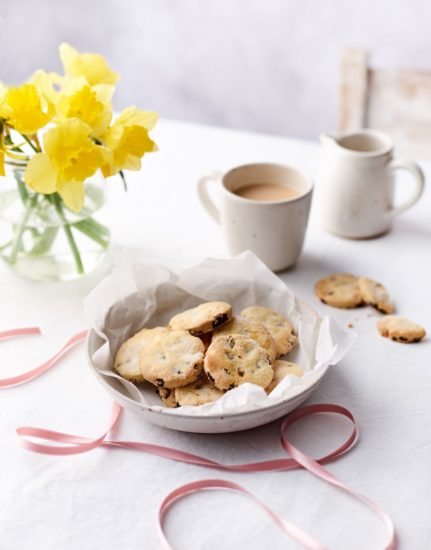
{"x":74,"y":444}
{"x":34,"y":373}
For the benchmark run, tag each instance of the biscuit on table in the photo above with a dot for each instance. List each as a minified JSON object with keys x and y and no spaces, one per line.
{"x":400,"y":329}
{"x":339,"y":290}
{"x":203,"y":318}
{"x":235,"y":359}
{"x":251,"y":329}
{"x":278,"y":326}
{"x":170,"y":358}
{"x":197,"y":393}
{"x":126,"y":361}
{"x":375,"y":294}
{"x":282,"y":369}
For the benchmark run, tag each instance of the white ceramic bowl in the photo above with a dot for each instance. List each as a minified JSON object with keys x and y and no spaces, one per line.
{"x":208,"y":423}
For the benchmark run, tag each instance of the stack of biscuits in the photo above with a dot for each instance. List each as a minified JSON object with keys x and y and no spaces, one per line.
{"x":205,"y":352}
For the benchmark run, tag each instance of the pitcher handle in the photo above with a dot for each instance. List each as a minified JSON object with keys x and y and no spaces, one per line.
{"x":419,"y":179}
{"x":204,"y":195}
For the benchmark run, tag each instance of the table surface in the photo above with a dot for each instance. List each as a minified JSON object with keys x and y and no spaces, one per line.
{"x":108,"y":498}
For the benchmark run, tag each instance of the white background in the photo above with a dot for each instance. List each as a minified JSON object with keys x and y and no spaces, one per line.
{"x":265,"y":65}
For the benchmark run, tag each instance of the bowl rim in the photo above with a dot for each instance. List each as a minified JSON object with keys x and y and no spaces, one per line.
{"x":198,"y":417}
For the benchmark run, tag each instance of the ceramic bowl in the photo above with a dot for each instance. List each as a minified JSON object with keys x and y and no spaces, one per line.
{"x":205,"y":423}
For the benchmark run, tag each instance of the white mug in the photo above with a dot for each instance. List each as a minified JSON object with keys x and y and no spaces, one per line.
{"x":356,"y":184}
{"x":274,"y":230}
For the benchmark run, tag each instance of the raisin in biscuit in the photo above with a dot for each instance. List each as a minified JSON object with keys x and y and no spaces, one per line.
{"x":203,"y":318}
{"x":375,"y":294}
{"x":127,"y":358}
{"x":197,"y":393}
{"x":171,"y":358}
{"x":400,"y":329}
{"x":282,"y":369}
{"x":235,"y":359}
{"x":278,"y":326}
{"x":251,"y":329}
{"x":339,"y":290}
{"x":168,"y":397}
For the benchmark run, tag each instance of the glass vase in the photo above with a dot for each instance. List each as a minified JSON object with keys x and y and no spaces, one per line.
{"x":41,"y":239}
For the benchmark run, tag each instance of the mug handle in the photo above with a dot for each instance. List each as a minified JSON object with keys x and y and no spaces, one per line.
{"x":204,"y":195}
{"x":419,"y":178}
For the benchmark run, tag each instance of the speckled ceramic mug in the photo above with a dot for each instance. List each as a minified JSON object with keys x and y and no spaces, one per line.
{"x":273,"y":230}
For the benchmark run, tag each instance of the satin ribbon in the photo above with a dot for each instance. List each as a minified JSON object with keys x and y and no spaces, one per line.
{"x":34,"y":373}
{"x":74,"y":444}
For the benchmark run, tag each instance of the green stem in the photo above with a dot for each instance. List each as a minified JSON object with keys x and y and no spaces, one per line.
{"x":92,"y":232}
{"x":17,"y":163}
{"x":3,"y":246}
{"x":68,"y":231}
{"x":28,"y":140}
{"x":21,"y":186}
{"x":18,"y":236}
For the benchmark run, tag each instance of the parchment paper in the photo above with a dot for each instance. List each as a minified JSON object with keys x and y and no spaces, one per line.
{"x":138,"y":295}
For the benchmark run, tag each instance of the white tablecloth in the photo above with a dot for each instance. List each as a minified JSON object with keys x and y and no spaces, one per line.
{"x":108,"y":498}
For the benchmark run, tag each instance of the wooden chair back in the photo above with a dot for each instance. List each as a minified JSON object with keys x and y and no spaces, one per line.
{"x":395,"y":101}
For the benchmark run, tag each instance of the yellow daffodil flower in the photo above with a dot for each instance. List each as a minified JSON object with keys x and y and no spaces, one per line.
{"x":70,"y":157}
{"x":46,"y":82}
{"x":25,"y":109}
{"x":91,"y":66}
{"x":92,"y":105}
{"x":3,"y":91}
{"x":128,"y":140}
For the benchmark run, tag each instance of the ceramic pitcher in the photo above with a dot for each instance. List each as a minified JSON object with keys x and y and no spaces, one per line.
{"x":357,"y":184}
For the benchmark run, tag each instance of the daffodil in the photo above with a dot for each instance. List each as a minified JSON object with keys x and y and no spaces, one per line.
{"x":2,"y":172}
{"x":25,"y":109}
{"x":91,"y":66}
{"x":3,"y":91}
{"x":128,"y":140}
{"x":46,"y":84}
{"x":70,"y":157}
{"x":92,"y":105}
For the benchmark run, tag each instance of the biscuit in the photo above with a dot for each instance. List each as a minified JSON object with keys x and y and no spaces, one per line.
{"x":339,"y":290}
{"x":203,"y":318}
{"x":235,"y":359}
{"x":251,"y":329}
{"x":171,"y":358}
{"x":197,"y":393}
{"x":278,"y":326}
{"x":400,"y":329}
{"x":168,"y":397}
{"x":127,"y":358}
{"x":375,"y":294}
{"x":282,"y":369}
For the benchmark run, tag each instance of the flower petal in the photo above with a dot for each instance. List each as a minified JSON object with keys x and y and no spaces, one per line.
{"x":41,"y":175}
{"x":73,"y":194}
{"x":90,"y":104}
{"x":26,"y":109}
{"x":92,"y":66}
{"x":133,"y":116}
{"x":2,"y":172}
{"x":65,"y":139}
